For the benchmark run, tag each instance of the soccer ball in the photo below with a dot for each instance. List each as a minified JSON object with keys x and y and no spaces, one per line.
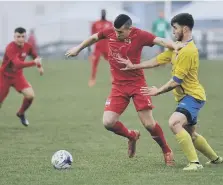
{"x":62,"y":159}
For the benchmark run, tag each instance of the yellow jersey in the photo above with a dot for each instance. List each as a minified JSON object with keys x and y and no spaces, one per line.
{"x":185,"y":66}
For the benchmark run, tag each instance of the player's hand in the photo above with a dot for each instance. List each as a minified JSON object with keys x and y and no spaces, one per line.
{"x":149,"y":91}
{"x":128,"y":64}
{"x":178,"y":46}
{"x":38,"y":61}
{"x":41,"y":71}
{"x":72,"y":52}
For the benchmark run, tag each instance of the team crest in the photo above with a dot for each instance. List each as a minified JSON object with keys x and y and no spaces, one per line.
{"x":24,"y":54}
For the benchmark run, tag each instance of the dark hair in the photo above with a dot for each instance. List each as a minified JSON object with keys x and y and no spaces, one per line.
{"x":183,"y":19}
{"x":20,"y":30}
{"x":121,"y":20}
{"x":103,"y":14}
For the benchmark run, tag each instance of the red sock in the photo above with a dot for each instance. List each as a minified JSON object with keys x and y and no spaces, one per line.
{"x":121,"y":130}
{"x":158,"y":136}
{"x":25,"y":105}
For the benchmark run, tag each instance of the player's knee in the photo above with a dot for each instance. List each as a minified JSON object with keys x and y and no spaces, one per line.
{"x":194,"y":135}
{"x":177,"y":121}
{"x":109,"y":121}
{"x":147,"y":119}
{"x":30,"y":96}
{"x":149,"y":123}
{"x":175,"y":125}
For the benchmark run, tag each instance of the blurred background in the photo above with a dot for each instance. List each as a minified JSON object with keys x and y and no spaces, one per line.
{"x":58,"y":25}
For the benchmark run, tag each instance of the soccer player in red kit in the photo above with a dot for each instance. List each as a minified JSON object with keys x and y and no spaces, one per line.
{"x":127,"y":42}
{"x":101,"y":47}
{"x":11,"y":74}
{"x":32,"y":40}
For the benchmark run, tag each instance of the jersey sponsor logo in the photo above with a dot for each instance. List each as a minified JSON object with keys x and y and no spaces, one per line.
{"x":119,"y":50}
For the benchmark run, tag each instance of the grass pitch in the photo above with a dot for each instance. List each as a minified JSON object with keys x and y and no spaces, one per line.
{"x":66,"y":114}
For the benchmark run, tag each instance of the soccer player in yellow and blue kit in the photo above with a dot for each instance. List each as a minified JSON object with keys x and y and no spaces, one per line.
{"x":187,"y":90}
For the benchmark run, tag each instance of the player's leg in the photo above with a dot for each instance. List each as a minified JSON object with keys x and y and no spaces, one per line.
{"x":4,"y":88}
{"x":28,"y":94}
{"x":179,"y":119}
{"x":24,"y":87}
{"x":202,"y":146}
{"x":143,"y":105}
{"x":94,"y":65}
{"x":157,"y":134}
{"x":114,"y":107}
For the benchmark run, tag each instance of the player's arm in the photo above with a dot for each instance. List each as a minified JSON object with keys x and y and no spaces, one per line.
{"x":168,"y":43}
{"x":86,"y":43}
{"x":181,"y":70}
{"x":161,"y":59}
{"x":18,"y":64}
{"x":144,"y":65}
{"x":147,"y":64}
{"x":149,"y":39}
{"x":154,"y":91}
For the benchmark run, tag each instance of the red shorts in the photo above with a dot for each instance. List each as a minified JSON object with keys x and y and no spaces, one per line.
{"x":120,"y":96}
{"x":18,"y":82}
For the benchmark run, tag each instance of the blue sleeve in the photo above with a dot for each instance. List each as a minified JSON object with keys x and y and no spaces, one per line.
{"x":178,"y":80}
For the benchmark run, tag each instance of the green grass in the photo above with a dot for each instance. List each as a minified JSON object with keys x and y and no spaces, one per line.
{"x":67,"y":115}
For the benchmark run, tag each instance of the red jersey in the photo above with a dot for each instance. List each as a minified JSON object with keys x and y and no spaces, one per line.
{"x":14,"y":58}
{"x":130,"y":48}
{"x":99,"y":26}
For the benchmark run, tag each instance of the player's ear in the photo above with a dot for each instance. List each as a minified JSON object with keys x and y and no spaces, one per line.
{"x":185,"y":28}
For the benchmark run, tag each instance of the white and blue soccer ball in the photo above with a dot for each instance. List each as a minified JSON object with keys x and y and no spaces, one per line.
{"x":62,"y":159}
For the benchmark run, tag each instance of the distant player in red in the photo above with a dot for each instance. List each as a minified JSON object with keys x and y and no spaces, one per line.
{"x":127,"y":42}
{"x":32,"y":40}
{"x":11,"y":73}
{"x":101,"y":47}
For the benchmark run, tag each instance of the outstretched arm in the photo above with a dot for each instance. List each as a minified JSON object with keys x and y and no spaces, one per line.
{"x":168,"y":43}
{"x":144,"y":65}
{"x":161,"y":59}
{"x":154,"y":91}
{"x":86,"y":43}
{"x":18,"y":64}
{"x":180,"y":71}
{"x":147,"y":64}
